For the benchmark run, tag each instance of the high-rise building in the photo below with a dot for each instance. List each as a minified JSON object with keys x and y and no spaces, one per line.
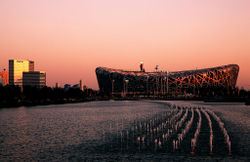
{"x":31,"y":66}
{"x":34,"y":79}
{"x":4,"y":76}
{"x":16,"y":69}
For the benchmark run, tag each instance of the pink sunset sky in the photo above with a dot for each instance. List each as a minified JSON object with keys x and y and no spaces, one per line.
{"x":69,"y":39}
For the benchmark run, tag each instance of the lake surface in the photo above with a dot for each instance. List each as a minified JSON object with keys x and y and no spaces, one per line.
{"x":109,"y":130}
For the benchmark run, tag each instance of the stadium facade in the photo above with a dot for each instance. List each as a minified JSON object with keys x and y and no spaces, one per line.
{"x":115,"y":81}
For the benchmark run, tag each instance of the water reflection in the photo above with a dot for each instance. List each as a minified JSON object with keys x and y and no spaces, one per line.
{"x":111,"y":129}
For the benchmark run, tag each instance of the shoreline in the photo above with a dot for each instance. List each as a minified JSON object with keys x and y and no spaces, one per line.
{"x":28,"y":104}
{"x":59,"y":102}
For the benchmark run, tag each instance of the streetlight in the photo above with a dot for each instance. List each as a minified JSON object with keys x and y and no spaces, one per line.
{"x":167,"y":82}
{"x":157,"y":79}
{"x":113,"y":86}
{"x":125,"y":87}
{"x":164,"y":88}
{"x":161,"y":82}
{"x":157,"y":85}
{"x":147,"y":84}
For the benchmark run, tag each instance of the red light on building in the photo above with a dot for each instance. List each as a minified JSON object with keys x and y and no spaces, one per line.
{"x":4,"y":74}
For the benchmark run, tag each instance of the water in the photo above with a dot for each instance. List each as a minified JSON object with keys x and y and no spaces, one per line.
{"x":103,"y":130}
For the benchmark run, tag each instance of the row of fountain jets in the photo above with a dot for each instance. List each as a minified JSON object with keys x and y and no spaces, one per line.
{"x":171,"y":127}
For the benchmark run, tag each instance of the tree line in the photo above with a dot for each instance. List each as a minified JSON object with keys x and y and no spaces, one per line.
{"x":12,"y":96}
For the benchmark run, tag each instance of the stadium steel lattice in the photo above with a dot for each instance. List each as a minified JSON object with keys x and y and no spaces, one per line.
{"x":139,"y":82}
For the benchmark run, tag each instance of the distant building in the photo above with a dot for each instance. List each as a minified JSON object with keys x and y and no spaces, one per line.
{"x":153,"y":83}
{"x":16,"y":69}
{"x":81,"y":85}
{"x":142,"y":67}
{"x":2,"y":81}
{"x":57,"y":85}
{"x":4,"y":76}
{"x":34,"y":79}
{"x":76,"y":86}
{"x":66,"y":86}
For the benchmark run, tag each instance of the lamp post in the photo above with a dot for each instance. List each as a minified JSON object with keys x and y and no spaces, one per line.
{"x":194,"y":89}
{"x":164,"y":88}
{"x":161,"y":83}
{"x":113,"y":81}
{"x":125,"y":86}
{"x":157,"y":85}
{"x":167,"y":82}
{"x":147,"y":84}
